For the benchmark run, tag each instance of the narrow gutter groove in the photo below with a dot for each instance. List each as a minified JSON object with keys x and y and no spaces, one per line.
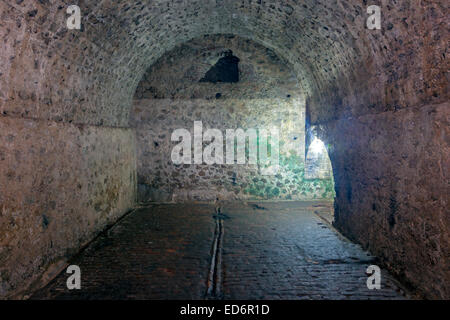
{"x":215,"y":271}
{"x":218,"y":274}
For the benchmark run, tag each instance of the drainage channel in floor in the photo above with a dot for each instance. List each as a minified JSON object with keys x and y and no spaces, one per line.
{"x":214,"y":282}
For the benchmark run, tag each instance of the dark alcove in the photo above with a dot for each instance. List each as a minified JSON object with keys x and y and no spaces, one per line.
{"x":225,"y":70}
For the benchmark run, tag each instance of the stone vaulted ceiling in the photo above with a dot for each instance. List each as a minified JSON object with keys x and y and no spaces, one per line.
{"x":89,"y":76}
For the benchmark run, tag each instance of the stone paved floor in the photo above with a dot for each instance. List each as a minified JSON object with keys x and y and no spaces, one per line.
{"x":264,"y":251}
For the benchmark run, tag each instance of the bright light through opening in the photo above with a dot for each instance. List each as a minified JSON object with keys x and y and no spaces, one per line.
{"x":317,"y":146}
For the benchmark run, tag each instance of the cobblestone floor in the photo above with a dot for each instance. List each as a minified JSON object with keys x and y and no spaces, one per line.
{"x":261,"y":251}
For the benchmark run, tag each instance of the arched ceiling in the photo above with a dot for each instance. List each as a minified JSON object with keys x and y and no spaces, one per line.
{"x":89,"y":76}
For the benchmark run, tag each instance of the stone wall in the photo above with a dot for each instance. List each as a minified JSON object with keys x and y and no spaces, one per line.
{"x":61,"y":184}
{"x":172,"y":96}
{"x":392,"y":190}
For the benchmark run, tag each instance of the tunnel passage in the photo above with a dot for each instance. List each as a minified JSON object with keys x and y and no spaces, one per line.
{"x":379,"y":99}
{"x":171,"y":96}
{"x":225,"y":70}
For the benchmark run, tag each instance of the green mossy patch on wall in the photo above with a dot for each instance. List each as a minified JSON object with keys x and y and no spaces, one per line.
{"x":290,"y":183}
